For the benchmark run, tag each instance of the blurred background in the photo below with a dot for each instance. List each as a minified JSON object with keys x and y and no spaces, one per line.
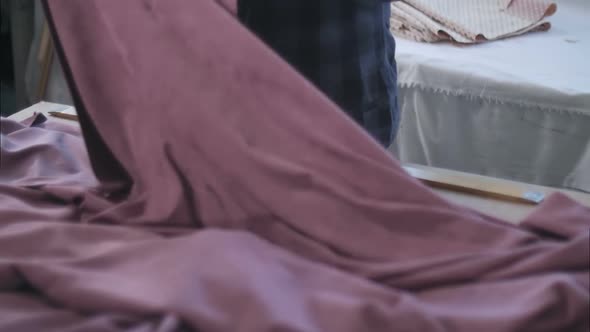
{"x":29,"y":71}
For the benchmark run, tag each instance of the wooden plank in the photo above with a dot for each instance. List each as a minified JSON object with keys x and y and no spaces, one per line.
{"x":63,"y":115}
{"x":476,"y":185}
{"x":45,"y":58}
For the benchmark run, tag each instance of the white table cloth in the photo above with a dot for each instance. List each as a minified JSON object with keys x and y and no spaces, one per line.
{"x":517,"y":108}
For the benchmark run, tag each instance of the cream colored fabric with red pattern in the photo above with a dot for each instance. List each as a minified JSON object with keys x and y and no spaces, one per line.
{"x":468,"y":21}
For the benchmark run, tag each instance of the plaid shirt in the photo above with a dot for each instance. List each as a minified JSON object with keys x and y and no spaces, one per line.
{"x":343,"y":46}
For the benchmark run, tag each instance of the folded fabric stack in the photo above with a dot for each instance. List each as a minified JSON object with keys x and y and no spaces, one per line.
{"x":468,"y":21}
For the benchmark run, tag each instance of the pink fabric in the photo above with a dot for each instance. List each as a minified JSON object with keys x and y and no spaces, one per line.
{"x":233,"y":196}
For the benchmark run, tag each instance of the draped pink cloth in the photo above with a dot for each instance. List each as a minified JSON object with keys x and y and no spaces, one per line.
{"x":228,"y":194}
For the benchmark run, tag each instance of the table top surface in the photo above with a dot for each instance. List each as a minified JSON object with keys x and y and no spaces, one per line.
{"x":503,"y":209}
{"x":518,"y":70}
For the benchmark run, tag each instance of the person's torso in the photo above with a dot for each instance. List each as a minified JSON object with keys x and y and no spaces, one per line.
{"x":343,"y":46}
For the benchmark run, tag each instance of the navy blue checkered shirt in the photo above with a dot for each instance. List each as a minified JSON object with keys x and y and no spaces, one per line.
{"x":344,"y":47}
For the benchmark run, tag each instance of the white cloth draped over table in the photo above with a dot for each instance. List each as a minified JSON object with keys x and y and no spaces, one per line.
{"x":517,"y":108}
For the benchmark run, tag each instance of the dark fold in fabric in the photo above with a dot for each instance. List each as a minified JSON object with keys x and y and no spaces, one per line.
{"x":230,"y":195}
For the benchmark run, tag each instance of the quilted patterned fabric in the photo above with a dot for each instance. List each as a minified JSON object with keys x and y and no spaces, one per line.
{"x":468,"y":21}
